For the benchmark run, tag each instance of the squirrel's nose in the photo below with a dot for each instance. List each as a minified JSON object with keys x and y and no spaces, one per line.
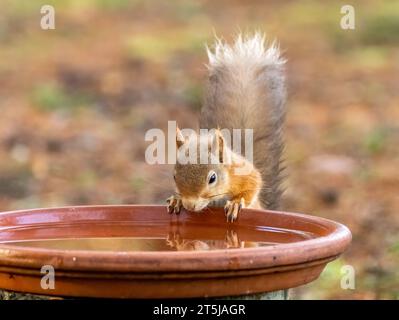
{"x":189,"y":206}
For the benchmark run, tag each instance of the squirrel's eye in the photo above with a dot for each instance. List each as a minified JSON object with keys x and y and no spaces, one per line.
{"x":174,"y":177}
{"x":212,"y":178}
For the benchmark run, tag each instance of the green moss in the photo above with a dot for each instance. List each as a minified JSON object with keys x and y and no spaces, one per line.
{"x":50,"y":97}
{"x":87,"y":179}
{"x":193,"y":94}
{"x":381,"y":29}
{"x":114,"y":4}
{"x":186,"y":10}
{"x":375,"y":141}
{"x":369,"y":57}
{"x":331,"y":275}
{"x":15,"y":181}
{"x":394,"y":248}
{"x":161,"y":46}
{"x":137,"y":183}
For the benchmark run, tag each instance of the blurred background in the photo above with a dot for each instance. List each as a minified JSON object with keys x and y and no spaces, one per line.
{"x":76,"y":101}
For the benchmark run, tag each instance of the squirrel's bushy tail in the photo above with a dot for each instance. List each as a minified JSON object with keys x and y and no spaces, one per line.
{"x":246,"y":90}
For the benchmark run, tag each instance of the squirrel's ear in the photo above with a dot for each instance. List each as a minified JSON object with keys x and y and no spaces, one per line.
{"x":179,"y":138}
{"x":218,"y":144}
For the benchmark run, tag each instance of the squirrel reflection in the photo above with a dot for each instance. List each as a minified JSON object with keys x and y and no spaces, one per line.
{"x":175,"y":241}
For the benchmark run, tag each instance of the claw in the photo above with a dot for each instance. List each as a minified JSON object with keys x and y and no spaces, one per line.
{"x":174,"y":204}
{"x":232,"y":209}
{"x":176,"y":210}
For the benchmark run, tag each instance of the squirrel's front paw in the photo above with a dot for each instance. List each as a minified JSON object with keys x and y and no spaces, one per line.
{"x":174,"y":204}
{"x":232,"y":209}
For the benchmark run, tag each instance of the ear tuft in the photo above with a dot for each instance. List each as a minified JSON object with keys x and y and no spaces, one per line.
{"x":179,"y":138}
{"x":218,"y":144}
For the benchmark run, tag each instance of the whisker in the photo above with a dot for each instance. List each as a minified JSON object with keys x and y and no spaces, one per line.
{"x":217,"y":195}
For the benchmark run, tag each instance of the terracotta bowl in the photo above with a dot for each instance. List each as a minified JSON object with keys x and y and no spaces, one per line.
{"x":231,"y":261}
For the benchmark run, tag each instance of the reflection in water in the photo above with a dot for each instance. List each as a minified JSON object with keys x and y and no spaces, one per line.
{"x":173,"y":242}
{"x":231,"y":241}
{"x":177,"y":240}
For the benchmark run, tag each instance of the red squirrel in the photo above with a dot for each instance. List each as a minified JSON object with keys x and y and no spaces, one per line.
{"x":245,"y":89}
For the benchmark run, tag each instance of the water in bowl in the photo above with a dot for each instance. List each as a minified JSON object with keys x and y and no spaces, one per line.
{"x":212,"y":239}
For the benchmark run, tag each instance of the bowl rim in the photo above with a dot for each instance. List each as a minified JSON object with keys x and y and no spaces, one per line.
{"x":293,"y":255}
